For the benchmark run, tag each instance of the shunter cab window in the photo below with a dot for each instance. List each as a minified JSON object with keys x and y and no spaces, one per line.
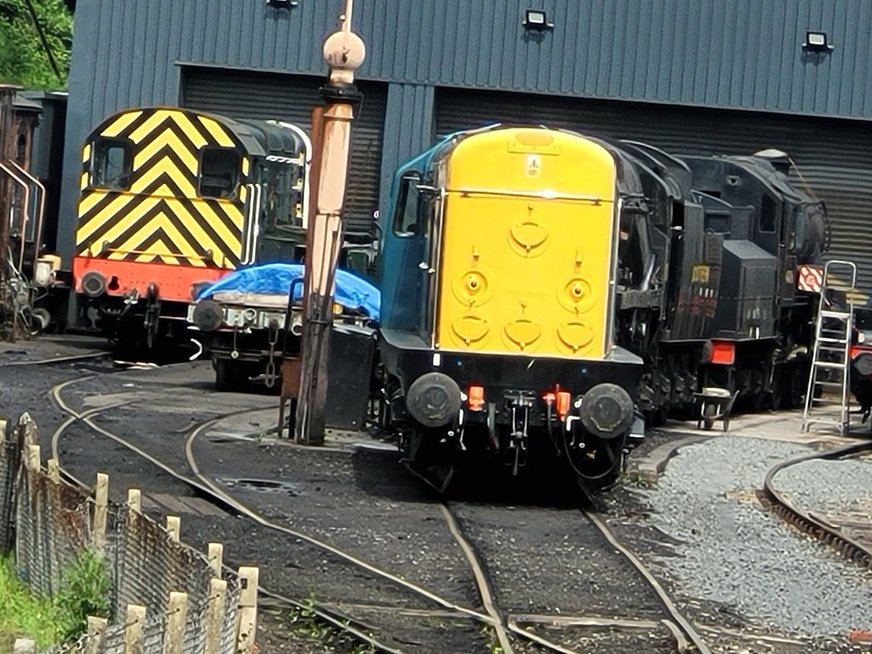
{"x":111,"y":167}
{"x":219,"y":173}
{"x":408,"y":212}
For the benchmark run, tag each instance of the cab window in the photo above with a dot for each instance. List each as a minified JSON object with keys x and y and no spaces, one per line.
{"x":111,"y":166}
{"x":408,"y":211}
{"x":767,"y":215}
{"x":219,"y":173}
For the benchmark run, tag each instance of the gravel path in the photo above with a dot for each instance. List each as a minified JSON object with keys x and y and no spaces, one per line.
{"x":733,"y":552}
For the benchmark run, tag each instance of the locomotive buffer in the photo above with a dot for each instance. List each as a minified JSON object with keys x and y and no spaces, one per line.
{"x":831,"y":360}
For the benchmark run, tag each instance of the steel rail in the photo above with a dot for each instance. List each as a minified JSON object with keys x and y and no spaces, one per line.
{"x":678,"y":620}
{"x":249,"y":513}
{"x":807,"y":522}
{"x":481,"y":581}
{"x":53,"y":360}
{"x":206,"y":487}
{"x":331,"y":616}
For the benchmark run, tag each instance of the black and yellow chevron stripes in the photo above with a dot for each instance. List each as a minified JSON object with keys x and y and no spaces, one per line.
{"x":160,"y":217}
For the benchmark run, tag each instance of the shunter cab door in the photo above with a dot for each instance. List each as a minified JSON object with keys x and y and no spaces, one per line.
{"x":528,"y":247}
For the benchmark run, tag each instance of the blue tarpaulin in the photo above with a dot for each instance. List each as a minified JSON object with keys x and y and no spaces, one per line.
{"x":352,"y":292}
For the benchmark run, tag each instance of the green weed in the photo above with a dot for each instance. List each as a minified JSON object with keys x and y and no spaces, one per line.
{"x":84,"y":591}
{"x":25,"y":615}
{"x":305,"y":622}
{"x":635,"y":480}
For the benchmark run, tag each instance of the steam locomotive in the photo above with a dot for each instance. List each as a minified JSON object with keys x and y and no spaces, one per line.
{"x":543,"y":292}
{"x":171,"y":200}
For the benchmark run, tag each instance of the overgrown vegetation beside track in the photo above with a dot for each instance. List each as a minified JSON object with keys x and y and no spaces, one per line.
{"x":49,"y":621}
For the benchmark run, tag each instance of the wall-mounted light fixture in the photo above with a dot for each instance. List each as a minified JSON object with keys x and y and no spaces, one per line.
{"x":535,"y":19}
{"x":816,"y":42}
{"x":282,"y":4}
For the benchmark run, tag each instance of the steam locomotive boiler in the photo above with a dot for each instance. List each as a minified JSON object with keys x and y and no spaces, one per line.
{"x":709,"y":293}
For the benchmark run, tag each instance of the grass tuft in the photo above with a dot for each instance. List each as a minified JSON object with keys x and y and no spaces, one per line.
{"x":84,"y":591}
{"x":25,"y":615}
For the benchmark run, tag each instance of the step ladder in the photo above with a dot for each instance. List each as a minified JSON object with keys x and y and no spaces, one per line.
{"x":828,"y":399}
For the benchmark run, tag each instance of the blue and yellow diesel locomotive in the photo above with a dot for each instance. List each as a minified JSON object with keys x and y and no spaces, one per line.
{"x":542,"y":291}
{"x":499,"y":271}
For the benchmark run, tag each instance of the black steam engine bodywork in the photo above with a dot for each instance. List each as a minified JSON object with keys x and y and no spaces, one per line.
{"x":488,"y":351}
{"x":716,"y":242}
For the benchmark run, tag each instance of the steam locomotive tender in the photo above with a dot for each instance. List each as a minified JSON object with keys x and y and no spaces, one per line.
{"x":172,"y":199}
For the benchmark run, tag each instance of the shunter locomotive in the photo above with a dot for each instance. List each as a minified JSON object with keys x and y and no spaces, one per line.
{"x":172,"y":199}
{"x":544,"y":291}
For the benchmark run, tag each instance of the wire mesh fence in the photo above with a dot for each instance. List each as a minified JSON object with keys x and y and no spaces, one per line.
{"x":165,"y":597}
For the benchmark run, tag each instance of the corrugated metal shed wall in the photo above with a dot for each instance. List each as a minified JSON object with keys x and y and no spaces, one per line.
{"x":831,"y":155}
{"x":725,"y":53}
{"x":246,"y":94}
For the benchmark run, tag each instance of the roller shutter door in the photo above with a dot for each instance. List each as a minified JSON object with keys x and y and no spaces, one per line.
{"x":244,"y":94}
{"x":832,"y":156}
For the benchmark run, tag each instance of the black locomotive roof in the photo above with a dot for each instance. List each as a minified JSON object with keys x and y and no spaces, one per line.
{"x":258,"y":138}
{"x":262,"y":138}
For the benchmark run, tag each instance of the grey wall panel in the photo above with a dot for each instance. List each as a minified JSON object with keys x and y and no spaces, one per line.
{"x":727,"y":53}
{"x":245,"y":94}
{"x":408,"y":129}
{"x":831,"y":156}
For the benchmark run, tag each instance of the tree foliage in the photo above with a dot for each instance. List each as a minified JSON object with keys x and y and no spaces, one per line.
{"x":23,"y":59}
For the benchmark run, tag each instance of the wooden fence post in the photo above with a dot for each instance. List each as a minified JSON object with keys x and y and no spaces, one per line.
{"x":133,"y":629}
{"x":34,"y":458}
{"x":216,"y":608}
{"x":134,"y":500}
{"x":101,"y":512}
{"x":54,"y":471}
{"x":246,"y":623}
{"x":96,"y":635}
{"x":177,"y":615}
{"x":174,"y":527}
{"x":215,"y":554}
{"x":24,"y":646}
{"x":26,"y":431}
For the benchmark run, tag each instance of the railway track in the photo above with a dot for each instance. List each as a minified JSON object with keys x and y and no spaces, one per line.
{"x":50,"y":361}
{"x":510,"y":631}
{"x":851,"y":541}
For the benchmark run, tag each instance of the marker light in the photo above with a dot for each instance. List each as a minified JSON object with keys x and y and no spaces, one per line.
{"x":723,"y":353}
{"x":564,"y":400}
{"x":476,"y":398}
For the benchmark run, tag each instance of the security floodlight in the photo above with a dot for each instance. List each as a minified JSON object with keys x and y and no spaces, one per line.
{"x":816,"y":41}
{"x":536,"y":20}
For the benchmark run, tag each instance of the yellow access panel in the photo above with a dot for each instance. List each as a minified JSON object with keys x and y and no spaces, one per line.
{"x":527,"y":245}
